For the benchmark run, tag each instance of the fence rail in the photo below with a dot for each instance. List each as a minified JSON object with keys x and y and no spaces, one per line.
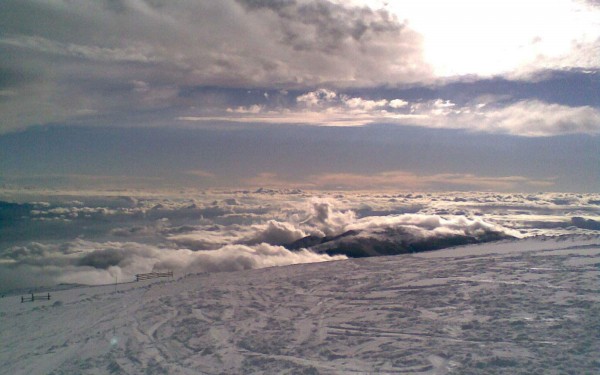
{"x":33,"y":297}
{"x":152,"y":275}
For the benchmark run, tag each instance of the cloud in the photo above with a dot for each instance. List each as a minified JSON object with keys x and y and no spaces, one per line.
{"x":326,"y":220}
{"x":238,"y":257}
{"x":425,"y":226}
{"x":398,"y":103}
{"x":233,"y":247}
{"x":403,"y":180}
{"x":89,"y":262}
{"x":250,"y":109}
{"x":146,"y":62}
{"x":93,"y":59}
{"x":140,"y":54}
{"x":316,"y":98}
{"x":364,"y":105}
{"x":321,"y":107}
{"x":536,"y":118}
{"x":210,"y":238}
{"x":529,"y":118}
{"x":344,"y":233}
{"x":276,"y":233}
{"x":120,"y":235}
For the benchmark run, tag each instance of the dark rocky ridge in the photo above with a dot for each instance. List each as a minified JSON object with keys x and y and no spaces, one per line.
{"x":392,"y":241}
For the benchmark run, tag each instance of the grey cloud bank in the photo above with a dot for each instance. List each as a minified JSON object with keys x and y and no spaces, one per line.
{"x":64,"y":60}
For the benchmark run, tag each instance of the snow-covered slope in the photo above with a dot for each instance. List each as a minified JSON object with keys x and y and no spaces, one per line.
{"x":514,"y":307}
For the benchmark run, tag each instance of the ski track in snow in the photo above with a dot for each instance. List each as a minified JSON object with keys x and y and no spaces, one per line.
{"x":516,"y":307}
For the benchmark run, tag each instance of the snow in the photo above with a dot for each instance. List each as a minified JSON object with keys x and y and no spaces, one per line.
{"x":523,"y":306}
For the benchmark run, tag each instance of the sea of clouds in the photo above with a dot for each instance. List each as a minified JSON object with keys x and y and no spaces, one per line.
{"x":49,"y":238}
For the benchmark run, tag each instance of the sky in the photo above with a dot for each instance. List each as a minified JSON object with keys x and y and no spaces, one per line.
{"x":316,"y":94}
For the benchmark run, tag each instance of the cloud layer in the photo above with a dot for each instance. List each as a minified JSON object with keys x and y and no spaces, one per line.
{"x":86,"y":262}
{"x":126,"y":57}
{"x":324,"y":107}
{"x":146,"y":62}
{"x":94,"y":238}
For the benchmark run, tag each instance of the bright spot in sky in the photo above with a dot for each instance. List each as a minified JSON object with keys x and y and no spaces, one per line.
{"x":494,"y":37}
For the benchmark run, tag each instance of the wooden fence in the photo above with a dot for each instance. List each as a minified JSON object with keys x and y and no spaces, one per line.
{"x":33,"y":298}
{"x":152,"y":275}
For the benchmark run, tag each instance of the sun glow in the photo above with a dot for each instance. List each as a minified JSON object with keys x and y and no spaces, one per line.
{"x":497,"y":37}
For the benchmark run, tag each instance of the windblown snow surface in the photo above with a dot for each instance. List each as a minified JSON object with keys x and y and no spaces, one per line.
{"x":513,"y":307}
{"x":526,"y":303}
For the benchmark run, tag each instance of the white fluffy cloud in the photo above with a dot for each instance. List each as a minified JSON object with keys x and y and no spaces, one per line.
{"x":535,"y":118}
{"x":239,"y":257}
{"x":426,"y":226}
{"x":365,"y":105}
{"x":326,"y":219}
{"x":88,"y":262}
{"x":398,"y":103}
{"x":276,"y":233}
{"x":317,"y":97}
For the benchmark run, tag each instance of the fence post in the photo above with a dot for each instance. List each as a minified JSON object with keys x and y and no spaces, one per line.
{"x":21,"y":299}
{"x":32,"y":297}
